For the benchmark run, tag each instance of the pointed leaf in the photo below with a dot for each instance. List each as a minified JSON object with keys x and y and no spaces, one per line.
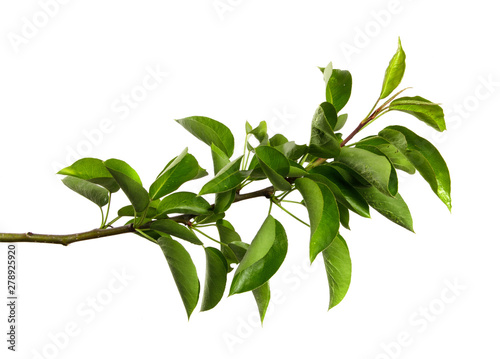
{"x":168,"y":226}
{"x":324,"y":143}
{"x":338,"y":270}
{"x":228,"y":235}
{"x":92,"y":170}
{"x":338,"y":88}
{"x":262,"y":296}
{"x":224,"y":200}
{"x":181,"y":169}
{"x":426,"y":111}
{"x":393,"y":208}
{"x":375,"y":169}
{"x":129,"y":181}
{"x":215,"y":278}
{"x":184,"y":272}
{"x":425,"y":157}
{"x":91,"y":191}
{"x":262,"y":259}
{"x":128,"y":211}
{"x":210,"y":131}
{"x":341,"y":120}
{"x":277,"y":140}
{"x":275,"y":165}
{"x":226,"y":179}
{"x":344,"y":215}
{"x":291,"y":150}
{"x":343,"y":191}
{"x":220,"y":159}
{"x":323,"y":214}
{"x":384,"y":147}
{"x":394,"y":72}
{"x":183,"y":202}
{"x":260,"y":132}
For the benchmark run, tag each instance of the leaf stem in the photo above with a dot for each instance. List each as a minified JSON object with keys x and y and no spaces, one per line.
{"x":206,"y":235}
{"x":291,"y":214}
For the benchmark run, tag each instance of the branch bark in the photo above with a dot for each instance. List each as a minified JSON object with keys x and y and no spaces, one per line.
{"x":66,"y":239}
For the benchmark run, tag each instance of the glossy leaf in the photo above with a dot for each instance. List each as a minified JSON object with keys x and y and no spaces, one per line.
{"x":91,"y":191}
{"x":226,"y":179}
{"x":260,"y":132}
{"x":228,"y":235}
{"x":210,"y":131}
{"x":277,"y":140}
{"x":426,"y":111}
{"x":129,"y":181}
{"x":323,"y":214}
{"x":219,"y":158}
{"x":215,"y":278}
{"x":262,"y":296}
{"x":343,"y":215}
{"x":170,"y":227}
{"x":384,"y":147}
{"x":181,"y":169}
{"x":275,"y":166}
{"x":375,"y":169}
{"x":92,"y":170}
{"x":341,"y":120}
{"x":425,"y":157}
{"x":262,"y":259}
{"x":291,"y":150}
{"x":394,"y":72}
{"x":184,"y":272}
{"x":224,"y":200}
{"x":338,"y":270}
{"x":343,"y":191}
{"x":183,"y":202}
{"x":211,"y":218}
{"x":128,"y":211}
{"x":324,"y":143}
{"x":393,"y":208}
{"x":338,"y":88}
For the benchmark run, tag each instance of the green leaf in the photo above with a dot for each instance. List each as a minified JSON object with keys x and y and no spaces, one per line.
{"x":128,"y":211}
{"x":375,"y":169}
{"x":262,"y":259}
{"x":338,"y":88}
{"x":260,"y":132}
{"x":228,"y":235}
{"x":291,"y":150}
{"x":92,"y":170}
{"x":275,"y":166}
{"x":175,"y":229}
{"x":277,"y":140}
{"x":425,"y":157}
{"x":324,"y":143}
{"x":215,"y":278}
{"x":181,"y":169}
{"x":296,"y":170}
{"x":323,"y":214}
{"x":210,"y":131}
{"x":91,"y":191}
{"x":184,"y":272}
{"x":384,"y":147}
{"x":344,"y":215}
{"x":338,"y":270}
{"x":184,"y":202}
{"x":220,"y":159}
{"x":262,"y":296}
{"x":426,"y":111}
{"x":224,"y":200}
{"x":394,"y":72}
{"x":343,"y":191}
{"x":393,"y":208}
{"x":129,"y":181}
{"x":341,"y":120}
{"x":227,"y":178}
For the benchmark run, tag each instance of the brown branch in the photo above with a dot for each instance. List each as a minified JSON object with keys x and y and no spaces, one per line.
{"x":66,"y":239}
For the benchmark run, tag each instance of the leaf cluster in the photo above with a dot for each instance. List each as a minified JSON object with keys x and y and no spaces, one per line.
{"x":332,"y":178}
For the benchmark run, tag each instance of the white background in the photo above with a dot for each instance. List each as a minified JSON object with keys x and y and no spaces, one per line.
{"x":253,"y":60}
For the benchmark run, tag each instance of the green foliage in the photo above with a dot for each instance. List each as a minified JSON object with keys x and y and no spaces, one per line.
{"x":332,"y":178}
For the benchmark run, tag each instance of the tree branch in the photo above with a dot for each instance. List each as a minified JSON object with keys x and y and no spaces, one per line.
{"x":66,"y":239}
